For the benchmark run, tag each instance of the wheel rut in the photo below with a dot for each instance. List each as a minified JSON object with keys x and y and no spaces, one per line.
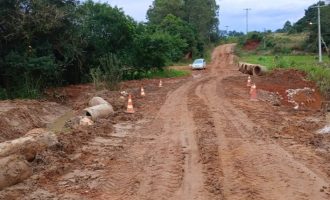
{"x":207,"y":143}
{"x":203,"y":148}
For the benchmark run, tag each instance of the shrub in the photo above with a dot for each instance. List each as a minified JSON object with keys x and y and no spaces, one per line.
{"x":3,"y":94}
{"x":97,"y":75}
{"x":111,"y":70}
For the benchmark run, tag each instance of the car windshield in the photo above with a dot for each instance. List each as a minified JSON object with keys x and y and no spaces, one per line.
{"x":198,"y":61}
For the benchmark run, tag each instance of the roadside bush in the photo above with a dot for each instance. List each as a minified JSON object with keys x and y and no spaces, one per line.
{"x":28,"y":74}
{"x":281,"y":49}
{"x":112,"y":70}
{"x":3,"y":94}
{"x":97,"y":77}
{"x":255,"y":36}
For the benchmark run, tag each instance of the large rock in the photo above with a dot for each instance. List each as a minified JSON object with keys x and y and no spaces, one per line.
{"x":36,"y":140}
{"x":14,"y":169}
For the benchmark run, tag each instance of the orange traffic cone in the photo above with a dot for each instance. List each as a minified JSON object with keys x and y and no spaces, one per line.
{"x":253,"y":93}
{"x":160,"y":83}
{"x":249,"y":81}
{"x":142,"y":92}
{"x":130,"y":105}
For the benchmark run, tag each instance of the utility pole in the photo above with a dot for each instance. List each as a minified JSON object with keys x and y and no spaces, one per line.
{"x":227,"y":30}
{"x":247,"y":19}
{"x":319,"y":30}
{"x":264,"y":38}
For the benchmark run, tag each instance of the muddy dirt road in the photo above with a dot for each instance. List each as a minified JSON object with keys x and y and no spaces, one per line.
{"x":198,"y":144}
{"x":202,"y":147}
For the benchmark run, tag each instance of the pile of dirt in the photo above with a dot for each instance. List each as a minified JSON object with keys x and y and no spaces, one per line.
{"x":251,"y":45}
{"x":275,"y":113}
{"x":68,"y":94}
{"x":92,"y":148}
{"x":20,"y":116}
{"x":292,"y":87}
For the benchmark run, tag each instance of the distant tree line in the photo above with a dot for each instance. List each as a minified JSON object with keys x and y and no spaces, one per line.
{"x":308,"y":24}
{"x":45,"y":43}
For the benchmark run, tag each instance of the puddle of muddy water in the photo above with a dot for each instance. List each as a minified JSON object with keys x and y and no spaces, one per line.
{"x":59,"y":124}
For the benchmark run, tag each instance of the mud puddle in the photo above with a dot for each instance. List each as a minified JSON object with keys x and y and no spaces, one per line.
{"x":59,"y":124}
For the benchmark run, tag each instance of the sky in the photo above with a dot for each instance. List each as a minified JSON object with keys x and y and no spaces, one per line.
{"x":264,"y":14}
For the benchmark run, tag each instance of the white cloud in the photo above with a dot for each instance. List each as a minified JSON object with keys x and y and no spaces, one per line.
{"x":268,"y":14}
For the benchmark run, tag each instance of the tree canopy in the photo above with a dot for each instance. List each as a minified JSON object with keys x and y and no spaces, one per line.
{"x":46,"y":43}
{"x":202,"y":15}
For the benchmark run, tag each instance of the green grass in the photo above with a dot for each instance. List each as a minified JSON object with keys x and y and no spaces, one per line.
{"x":167,"y":73}
{"x":298,"y":38}
{"x":320,"y":73}
{"x":288,"y":61}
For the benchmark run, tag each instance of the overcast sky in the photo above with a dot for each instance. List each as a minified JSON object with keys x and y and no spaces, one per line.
{"x":264,"y":14}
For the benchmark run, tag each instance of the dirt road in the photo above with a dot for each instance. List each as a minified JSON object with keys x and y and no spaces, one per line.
{"x":202,"y":147}
{"x":199,"y":145}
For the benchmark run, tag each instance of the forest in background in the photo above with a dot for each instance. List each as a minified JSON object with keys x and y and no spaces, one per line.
{"x":47,"y":43}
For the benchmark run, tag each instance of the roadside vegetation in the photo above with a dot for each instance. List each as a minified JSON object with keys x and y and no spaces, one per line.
{"x":319,"y":73}
{"x":48,"y":43}
{"x":294,"y":47}
{"x":168,"y":73}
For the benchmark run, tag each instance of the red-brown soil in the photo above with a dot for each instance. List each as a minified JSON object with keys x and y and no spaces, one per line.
{"x":19,"y":116}
{"x":279,"y":81}
{"x":198,"y":137}
{"x":251,"y":45}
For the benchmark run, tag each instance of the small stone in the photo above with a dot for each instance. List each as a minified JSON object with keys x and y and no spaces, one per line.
{"x":86,"y":121}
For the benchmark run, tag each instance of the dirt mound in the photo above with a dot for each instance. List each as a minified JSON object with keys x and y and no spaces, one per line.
{"x":292,"y":128}
{"x":90,"y":151}
{"x":251,"y":45}
{"x":292,"y":87}
{"x":19,"y":116}
{"x":69,"y":95}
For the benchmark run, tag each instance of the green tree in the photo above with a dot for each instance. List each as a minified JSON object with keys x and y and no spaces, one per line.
{"x":175,"y":26}
{"x":155,"y":49}
{"x":287,"y":27}
{"x":308,"y":23}
{"x":33,"y":34}
{"x":106,"y":29}
{"x":161,"y":8}
{"x":203,"y":16}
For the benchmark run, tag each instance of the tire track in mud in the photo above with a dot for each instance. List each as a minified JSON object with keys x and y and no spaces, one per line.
{"x":253,"y":168}
{"x":233,"y":175}
{"x":170,"y":165}
{"x":166,"y":174}
{"x":206,"y":137}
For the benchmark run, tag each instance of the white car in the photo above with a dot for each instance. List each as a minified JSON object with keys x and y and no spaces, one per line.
{"x":198,"y":64}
